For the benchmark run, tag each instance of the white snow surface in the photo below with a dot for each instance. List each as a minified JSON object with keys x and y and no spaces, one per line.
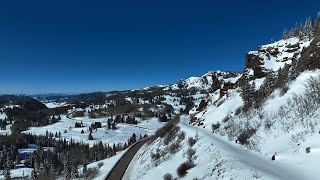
{"x":3,"y":116}
{"x":15,"y":173}
{"x":8,"y":127}
{"x":54,"y":104}
{"x":234,"y":161}
{"x":107,"y":165}
{"x":121,"y":135}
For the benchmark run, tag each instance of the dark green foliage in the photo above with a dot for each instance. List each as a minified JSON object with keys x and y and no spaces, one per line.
{"x":90,"y":173}
{"x":308,"y":150}
{"x":167,"y":127}
{"x":78,"y":114}
{"x":167,"y":177}
{"x":163,"y":118}
{"x":96,"y":125}
{"x":174,"y":147}
{"x":203,"y":104}
{"x":170,"y":135}
{"x":66,"y":157}
{"x":191,"y":141}
{"x":310,"y":29}
{"x":156,"y":156}
{"x":90,"y":137}
{"x":79,"y":125}
{"x":191,"y":154}
{"x":247,"y":94}
{"x":184,"y":167}
{"x":245,"y":135}
{"x":215,"y":126}
{"x":31,"y":113}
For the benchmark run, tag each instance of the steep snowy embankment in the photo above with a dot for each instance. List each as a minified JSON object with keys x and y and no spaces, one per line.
{"x":215,"y":159}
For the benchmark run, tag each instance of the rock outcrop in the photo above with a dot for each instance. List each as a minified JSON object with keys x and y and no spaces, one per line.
{"x":269,"y":58}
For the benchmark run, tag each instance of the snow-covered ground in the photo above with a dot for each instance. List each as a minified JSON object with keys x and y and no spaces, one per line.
{"x":54,"y":104}
{"x":22,"y":172}
{"x":8,"y":127}
{"x":7,"y":131}
{"x":216,"y":158}
{"x":121,"y":135}
{"x":107,"y":165}
{"x":3,"y":116}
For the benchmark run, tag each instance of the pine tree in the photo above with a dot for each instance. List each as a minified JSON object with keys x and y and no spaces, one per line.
{"x":90,"y":137}
{"x":252,"y":91}
{"x":245,"y":89}
{"x":6,"y":173}
{"x":75,"y":172}
{"x":286,"y":34}
{"x":85,"y":169}
{"x":308,"y":29}
{"x":269,"y":84}
{"x":68,"y":169}
{"x":33,"y":175}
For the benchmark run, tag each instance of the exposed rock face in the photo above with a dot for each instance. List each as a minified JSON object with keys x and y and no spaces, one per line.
{"x":273,"y":56}
{"x":255,"y":62}
{"x":216,"y":84}
{"x":209,"y":82}
{"x":310,"y":57}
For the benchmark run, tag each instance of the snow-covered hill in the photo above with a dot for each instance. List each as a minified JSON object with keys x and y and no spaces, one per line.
{"x":276,"y":139}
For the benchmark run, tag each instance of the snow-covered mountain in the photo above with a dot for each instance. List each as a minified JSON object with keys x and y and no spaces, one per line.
{"x":211,"y":81}
{"x":276,"y":138}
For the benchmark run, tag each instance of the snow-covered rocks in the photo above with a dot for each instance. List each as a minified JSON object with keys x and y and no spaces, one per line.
{"x":273,"y":56}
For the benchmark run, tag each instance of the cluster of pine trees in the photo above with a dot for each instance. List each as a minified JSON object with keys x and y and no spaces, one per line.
{"x":3,"y":124}
{"x":26,"y":116}
{"x":62,"y":159}
{"x":253,"y":97}
{"x":309,"y":29}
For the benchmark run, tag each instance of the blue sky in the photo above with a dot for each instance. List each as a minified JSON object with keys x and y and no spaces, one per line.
{"x":83,"y":46}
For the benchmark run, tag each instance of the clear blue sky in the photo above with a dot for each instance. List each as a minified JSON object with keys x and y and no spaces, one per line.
{"x":82,"y":46}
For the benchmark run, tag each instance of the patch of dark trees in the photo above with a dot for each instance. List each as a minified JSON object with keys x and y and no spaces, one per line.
{"x":62,"y":160}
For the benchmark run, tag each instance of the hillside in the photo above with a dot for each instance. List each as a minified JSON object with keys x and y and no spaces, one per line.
{"x":260,"y":124}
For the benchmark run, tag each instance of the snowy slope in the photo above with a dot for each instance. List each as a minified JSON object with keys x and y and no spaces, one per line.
{"x":106,"y":167}
{"x":280,"y":130}
{"x":216,"y":159}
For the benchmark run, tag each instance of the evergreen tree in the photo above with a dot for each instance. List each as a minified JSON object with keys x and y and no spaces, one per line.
{"x":33,"y":175}
{"x":75,"y":172}
{"x":90,"y":137}
{"x":245,"y":94}
{"x":85,"y":169}
{"x":286,"y":34}
{"x":6,"y":172}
